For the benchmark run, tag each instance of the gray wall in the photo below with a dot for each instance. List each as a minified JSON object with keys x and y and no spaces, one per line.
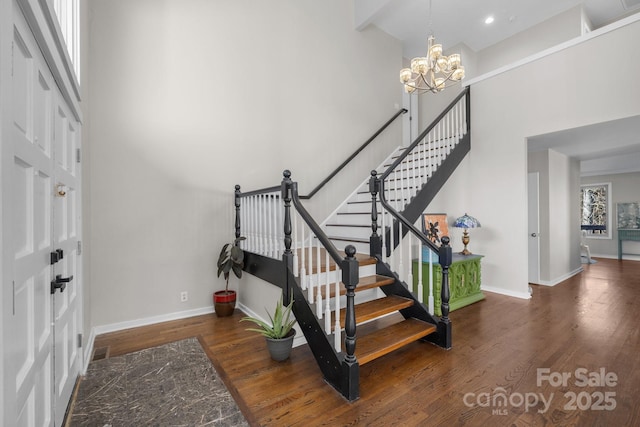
{"x":189,"y":98}
{"x":174,"y":126}
{"x":557,"y":92}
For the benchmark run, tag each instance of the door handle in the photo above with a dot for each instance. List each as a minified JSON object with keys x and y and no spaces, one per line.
{"x":60,"y":283}
{"x":534,"y":234}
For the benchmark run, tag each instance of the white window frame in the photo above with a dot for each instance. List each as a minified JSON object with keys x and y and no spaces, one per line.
{"x":610,"y":213}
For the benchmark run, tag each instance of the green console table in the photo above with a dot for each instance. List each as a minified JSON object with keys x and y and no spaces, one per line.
{"x":464,"y":281}
{"x":627,"y":234}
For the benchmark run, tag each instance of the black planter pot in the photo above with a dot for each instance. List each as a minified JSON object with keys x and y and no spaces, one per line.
{"x":280,"y":348}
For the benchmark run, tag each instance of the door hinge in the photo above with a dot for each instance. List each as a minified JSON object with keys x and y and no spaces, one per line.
{"x":79,"y":340}
{"x":77,"y":155}
{"x":79,"y":247}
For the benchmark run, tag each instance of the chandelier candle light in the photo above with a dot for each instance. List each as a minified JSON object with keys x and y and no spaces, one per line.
{"x":466,"y":222}
{"x":432,"y":72}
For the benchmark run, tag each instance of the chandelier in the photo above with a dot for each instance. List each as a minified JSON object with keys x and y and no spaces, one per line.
{"x":432,"y":72}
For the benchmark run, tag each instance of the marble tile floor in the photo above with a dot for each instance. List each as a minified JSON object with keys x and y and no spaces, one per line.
{"x":171,"y":385}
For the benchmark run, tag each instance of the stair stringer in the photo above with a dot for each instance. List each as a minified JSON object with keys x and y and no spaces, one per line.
{"x":329,"y":361}
{"x":421,"y":200}
{"x":442,"y":336}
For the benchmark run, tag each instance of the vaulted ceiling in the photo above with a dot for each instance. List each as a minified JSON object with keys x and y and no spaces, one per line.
{"x":609,"y":147}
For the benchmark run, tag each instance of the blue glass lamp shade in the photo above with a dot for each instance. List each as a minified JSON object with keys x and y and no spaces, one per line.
{"x":466,"y":222}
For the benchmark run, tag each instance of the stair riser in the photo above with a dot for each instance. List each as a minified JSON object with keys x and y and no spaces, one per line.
{"x":363,"y":271}
{"x":361,"y":297}
{"x":348,"y":232}
{"x":357,"y":219}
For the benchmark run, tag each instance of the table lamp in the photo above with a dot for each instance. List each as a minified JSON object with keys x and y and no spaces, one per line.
{"x":466,"y":222}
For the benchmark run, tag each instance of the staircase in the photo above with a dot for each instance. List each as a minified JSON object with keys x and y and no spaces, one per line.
{"x":336,"y":292}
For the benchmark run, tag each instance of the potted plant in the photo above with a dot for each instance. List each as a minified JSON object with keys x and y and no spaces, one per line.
{"x":279,"y":334}
{"x":231,"y":259}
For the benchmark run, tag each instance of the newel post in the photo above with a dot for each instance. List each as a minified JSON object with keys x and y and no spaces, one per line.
{"x":287,"y":256}
{"x":375,"y":242}
{"x":350,"y":365}
{"x":444,"y":325}
{"x":237,"y":203}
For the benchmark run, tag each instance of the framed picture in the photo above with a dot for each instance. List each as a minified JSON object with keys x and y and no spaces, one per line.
{"x":435,"y":226}
{"x":629,"y":215}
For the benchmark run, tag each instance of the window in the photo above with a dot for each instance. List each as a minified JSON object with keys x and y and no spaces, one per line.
{"x":595,"y":210}
{"x":68,"y":13}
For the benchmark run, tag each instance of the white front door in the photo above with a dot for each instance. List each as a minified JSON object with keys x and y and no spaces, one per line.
{"x":40,"y":222}
{"x":66,"y":301}
{"x":534,"y":226}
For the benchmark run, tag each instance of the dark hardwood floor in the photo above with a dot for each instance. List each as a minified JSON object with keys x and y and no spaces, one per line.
{"x":502,"y":370}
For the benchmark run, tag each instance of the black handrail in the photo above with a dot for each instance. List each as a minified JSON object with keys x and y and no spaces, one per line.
{"x":355,"y":153}
{"x":427,"y":130}
{"x":256,"y":192}
{"x":419,"y":234}
{"x":399,"y":217}
{"x":313,"y":225}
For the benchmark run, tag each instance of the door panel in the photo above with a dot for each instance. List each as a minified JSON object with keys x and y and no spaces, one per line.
{"x":28,"y":326}
{"x":66,"y":303}
{"x":534,"y":226}
{"x":40,"y":330}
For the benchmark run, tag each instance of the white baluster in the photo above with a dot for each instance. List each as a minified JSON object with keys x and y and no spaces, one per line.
{"x":318,"y":280}
{"x":383,"y":234}
{"x":337,"y":335}
{"x":427,"y":158}
{"x":449,"y":131}
{"x":278,"y":225}
{"x":410,"y":263}
{"x":294,"y":237}
{"x":420,"y":286}
{"x":259,"y":219}
{"x":457,"y":122}
{"x":414,"y":164}
{"x":270,"y":229}
{"x":254,"y":224}
{"x":392,"y":237}
{"x":464,"y":115}
{"x":265,"y":225}
{"x":399,"y":207}
{"x":303,"y":259}
{"x":327,"y":300}
{"x":311,"y":278}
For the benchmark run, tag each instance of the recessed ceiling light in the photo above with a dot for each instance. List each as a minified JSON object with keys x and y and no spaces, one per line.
{"x":489,"y":19}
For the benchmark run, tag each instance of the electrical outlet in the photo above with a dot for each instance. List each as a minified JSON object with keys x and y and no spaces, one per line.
{"x":184,"y":296}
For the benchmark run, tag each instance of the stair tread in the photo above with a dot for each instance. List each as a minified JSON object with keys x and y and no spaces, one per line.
{"x":367,"y":282}
{"x":383,"y":341}
{"x":375,"y":308}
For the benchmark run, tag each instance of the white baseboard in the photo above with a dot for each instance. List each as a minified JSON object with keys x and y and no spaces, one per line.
{"x":561,"y":278}
{"x":624,"y":257}
{"x":114,"y":327}
{"x":507,"y":292}
{"x":88,"y":352}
